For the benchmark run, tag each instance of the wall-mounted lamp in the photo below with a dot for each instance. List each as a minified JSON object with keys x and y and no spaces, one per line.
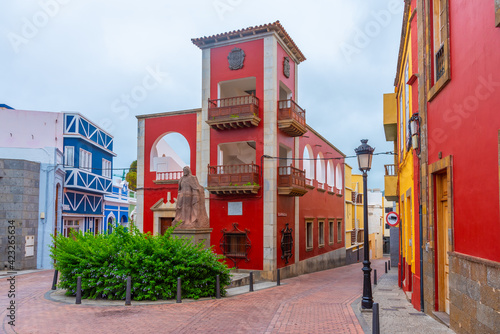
{"x":414,"y":125}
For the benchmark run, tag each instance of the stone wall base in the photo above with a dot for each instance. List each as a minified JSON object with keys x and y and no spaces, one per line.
{"x":474,"y":294}
{"x":354,"y":255}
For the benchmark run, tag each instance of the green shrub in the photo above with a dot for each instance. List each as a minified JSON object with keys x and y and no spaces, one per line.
{"x":154,"y":262}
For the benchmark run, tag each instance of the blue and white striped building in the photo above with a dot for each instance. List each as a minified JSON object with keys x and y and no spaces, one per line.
{"x":88,"y":162}
{"x":116,"y":205}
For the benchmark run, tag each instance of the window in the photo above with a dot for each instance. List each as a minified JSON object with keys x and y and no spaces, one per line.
{"x":309,"y":235}
{"x":497,"y":13}
{"x":235,"y":244}
{"x":85,"y":160}
{"x":106,"y":168}
{"x":286,"y":243}
{"x":407,"y":102}
{"x":70,"y":225}
{"x":439,"y":57}
{"x":339,"y":231}
{"x":321,"y":233}
{"x":331,"y":237}
{"x":69,"y":156}
{"x":401,"y":126}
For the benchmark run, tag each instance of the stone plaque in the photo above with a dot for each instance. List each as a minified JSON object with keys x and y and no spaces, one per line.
{"x":235,"y":208}
{"x":236,"y":58}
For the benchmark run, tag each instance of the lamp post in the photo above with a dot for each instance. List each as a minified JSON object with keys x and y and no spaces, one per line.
{"x":365,"y":154}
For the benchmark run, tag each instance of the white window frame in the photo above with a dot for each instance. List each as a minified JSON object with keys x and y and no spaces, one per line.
{"x":106,"y":168}
{"x":69,"y":156}
{"x":85,"y":160}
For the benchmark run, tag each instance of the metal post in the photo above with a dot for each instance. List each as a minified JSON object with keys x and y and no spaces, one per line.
{"x":367,"y":300}
{"x":128,"y":294}
{"x":217,"y":287}
{"x":278,"y":282}
{"x":385,"y":267}
{"x":78,"y":290}
{"x":179,"y":300}
{"x":389,"y":264}
{"x":375,"y":320}
{"x":251,"y":282}
{"x":375,"y":276}
{"x":54,"y":281}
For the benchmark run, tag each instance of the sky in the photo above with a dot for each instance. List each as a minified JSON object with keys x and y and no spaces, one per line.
{"x":88,"y":56}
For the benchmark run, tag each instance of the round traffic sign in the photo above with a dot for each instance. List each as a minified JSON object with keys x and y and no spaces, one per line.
{"x":392,"y":218}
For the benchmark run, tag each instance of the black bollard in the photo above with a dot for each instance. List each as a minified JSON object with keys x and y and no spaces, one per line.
{"x":389,"y":264}
{"x":54,"y":281}
{"x":385,"y":267}
{"x":128,"y":293}
{"x":278,"y":281}
{"x":375,"y":276}
{"x":78,"y":290}
{"x":179,"y":300}
{"x":217,"y":287}
{"x":375,"y":320}
{"x":251,"y":282}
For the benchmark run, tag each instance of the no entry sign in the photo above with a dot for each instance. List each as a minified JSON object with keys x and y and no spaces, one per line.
{"x":392,"y":218}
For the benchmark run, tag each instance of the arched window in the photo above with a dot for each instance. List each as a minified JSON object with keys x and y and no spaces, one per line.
{"x":339,"y":179}
{"x":308,"y":163}
{"x":320,"y":168}
{"x":169,"y":154}
{"x":330,"y":174}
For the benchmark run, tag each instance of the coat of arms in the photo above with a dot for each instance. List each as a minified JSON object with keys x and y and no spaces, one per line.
{"x":286,"y":67}
{"x":236,"y":58}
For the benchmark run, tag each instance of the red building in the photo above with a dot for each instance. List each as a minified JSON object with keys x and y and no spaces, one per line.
{"x":456,"y":139}
{"x":271,"y":192}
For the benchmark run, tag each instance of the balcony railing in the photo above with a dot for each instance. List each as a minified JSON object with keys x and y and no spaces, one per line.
{"x":439,"y":62}
{"x":233,"y":112}
{"x":291,"y":181}
{"x":233,"y":179}
{"x":309,"y":183}
{"x":291,"y":118}
{"x":321,"y":186}
{"x":168,"y":177}
{"x":391,"y":170}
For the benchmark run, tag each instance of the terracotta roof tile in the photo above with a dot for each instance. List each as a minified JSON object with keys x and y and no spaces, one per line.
{"x":276,"y":26}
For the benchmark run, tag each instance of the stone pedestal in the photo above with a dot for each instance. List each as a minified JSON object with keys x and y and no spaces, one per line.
{"x":198,"y":235}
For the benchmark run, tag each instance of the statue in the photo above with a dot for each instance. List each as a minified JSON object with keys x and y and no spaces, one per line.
{"x":190,"y":209}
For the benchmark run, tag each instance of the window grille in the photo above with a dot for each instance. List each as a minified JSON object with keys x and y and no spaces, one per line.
{"x":286,"y":243}
{"x":235,"y":244}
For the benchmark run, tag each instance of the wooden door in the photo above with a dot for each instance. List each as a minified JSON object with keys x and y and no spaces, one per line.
{"x":444,"y":235}
{"x":165,"y":223}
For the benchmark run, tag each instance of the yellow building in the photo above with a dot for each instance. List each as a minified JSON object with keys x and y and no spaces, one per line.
{"x":354,"y":225}
{"x":399,"y":178}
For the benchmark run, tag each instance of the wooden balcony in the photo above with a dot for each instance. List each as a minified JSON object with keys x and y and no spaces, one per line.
{"x":291,"y":118}
{"x":168,"y":177}
{"x":391,"y":183}
{"x":233,"y":179}
{"x":291,"y":181}
{"x":233,"y":112}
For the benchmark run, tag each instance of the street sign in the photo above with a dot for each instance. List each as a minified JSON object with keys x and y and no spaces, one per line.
{"x":392,"y":218}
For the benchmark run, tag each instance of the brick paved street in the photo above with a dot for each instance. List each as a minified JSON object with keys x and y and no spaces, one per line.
{"x":314,"y":303}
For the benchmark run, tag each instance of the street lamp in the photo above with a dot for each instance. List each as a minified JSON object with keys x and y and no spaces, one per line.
{"x":365,"y":154}
{"x":415,"y":130}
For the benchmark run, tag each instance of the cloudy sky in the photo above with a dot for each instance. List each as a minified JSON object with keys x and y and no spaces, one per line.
{"x":88,"y":55}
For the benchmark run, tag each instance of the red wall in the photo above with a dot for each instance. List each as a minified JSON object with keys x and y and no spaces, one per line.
{"x":319,"y":204}
{"x":252,"y":218}
{"x":154,"y":129}
{"x":463,"y":121}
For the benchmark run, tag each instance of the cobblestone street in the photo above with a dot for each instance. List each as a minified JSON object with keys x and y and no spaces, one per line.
{"x":313,"y":303}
